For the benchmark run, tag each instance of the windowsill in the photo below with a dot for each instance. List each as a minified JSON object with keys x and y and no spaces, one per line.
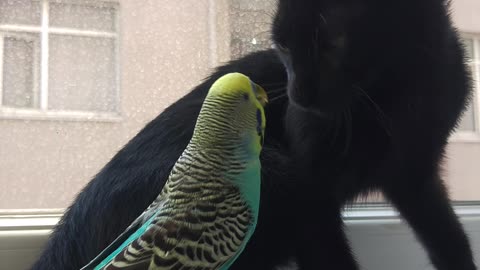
{"x":37,"y":219}
{"x":26,"y":114}
{"x":383,"y":212}
{"x":46,"y":219}
{"x":465,"y":137}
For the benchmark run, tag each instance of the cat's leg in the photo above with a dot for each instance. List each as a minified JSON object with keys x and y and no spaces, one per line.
{"x":322,"y":243}
{"x":422,"y":200}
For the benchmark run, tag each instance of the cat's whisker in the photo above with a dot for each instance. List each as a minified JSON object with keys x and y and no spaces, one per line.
{"x":263,"y":33}
{"x":275,"y":97}
{"x":277,"y":90}
{"x":272,"y":100}
{"x":380,"y":114}
{"x":268,"y":13}
{"x":277,"y":94}
{"x":273,"y":84}
{"x":323,"y":18}
{"x":262,"y":22}
{"x":371,"y":100}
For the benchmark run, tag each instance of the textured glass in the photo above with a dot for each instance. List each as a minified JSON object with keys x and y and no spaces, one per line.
{"x":250,"y":23}
{"x":82,"y":73}
{"x":468,"y":120}
{"x":20,"y":70}
{"x":85,"y":17}
{"x":20,"y":12}
{"x":254,"y":5}
{"x":468,"y":45}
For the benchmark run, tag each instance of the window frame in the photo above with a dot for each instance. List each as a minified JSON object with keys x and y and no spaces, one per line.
{"x":464,"y":136}
{"x":42,"y":112}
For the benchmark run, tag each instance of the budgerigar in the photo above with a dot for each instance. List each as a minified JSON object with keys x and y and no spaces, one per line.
{"x":208,"y":208}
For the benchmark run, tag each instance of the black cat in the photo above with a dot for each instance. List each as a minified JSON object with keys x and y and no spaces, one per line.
{"x":375,"y":87}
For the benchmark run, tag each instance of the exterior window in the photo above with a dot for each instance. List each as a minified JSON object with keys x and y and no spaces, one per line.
{"x":470,"y":124}
{"x":58,"y":59}
{"x":250,"y":25}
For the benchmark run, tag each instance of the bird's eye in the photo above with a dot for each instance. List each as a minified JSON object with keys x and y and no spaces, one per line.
{"x":245,"y":97}
{"x":254,"y":88}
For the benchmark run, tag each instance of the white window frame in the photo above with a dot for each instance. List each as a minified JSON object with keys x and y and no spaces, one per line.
{"x":464,"y":136}
{"x":44,"y":30}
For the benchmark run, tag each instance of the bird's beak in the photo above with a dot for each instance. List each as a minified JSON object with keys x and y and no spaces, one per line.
{"x":261,"y":95}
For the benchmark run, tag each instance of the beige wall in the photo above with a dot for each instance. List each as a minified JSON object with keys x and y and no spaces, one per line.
{"x":167,"y":47}
{"x":466,"y":14}
{"x":463,"y":171}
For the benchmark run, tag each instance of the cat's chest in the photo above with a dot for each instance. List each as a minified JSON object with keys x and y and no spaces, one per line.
{"x":360,"y":135}
{"x":354,"y":145}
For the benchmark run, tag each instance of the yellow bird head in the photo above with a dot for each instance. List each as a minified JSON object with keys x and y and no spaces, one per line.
{"x":233,"y":108}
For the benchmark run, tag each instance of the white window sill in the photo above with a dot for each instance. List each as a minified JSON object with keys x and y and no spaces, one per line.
{"x":465,"y":137}
{"x":375,"y":231}
{"x":28,"y":114}
{"x":378,"y":212}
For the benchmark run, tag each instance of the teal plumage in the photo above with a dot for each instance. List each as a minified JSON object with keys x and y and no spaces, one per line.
{"x":208,"y":208}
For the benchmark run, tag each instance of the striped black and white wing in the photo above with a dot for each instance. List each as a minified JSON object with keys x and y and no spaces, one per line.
{"x":125,"y":235}
{"x":202,"y":225}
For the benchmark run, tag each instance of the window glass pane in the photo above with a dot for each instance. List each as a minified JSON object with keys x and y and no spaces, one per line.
{"x":468,"y":43}
{"x":82,"y":73}
{"x":20,"y":70}
{"x":250,"y":25}
{"x":20,"y":12}
{"x":468,"y":120}
{"x":82,"y":16}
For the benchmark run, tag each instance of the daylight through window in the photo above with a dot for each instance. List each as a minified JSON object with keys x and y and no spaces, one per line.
{"x":470,"y":122}
{"x":58,"y":59}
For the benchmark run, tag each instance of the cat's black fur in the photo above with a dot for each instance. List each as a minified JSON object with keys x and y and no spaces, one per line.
{"x":375,"y":89}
